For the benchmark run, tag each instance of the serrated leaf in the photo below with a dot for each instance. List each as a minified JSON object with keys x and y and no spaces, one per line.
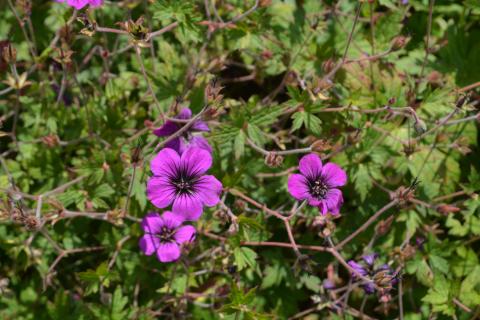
{"x":244,"y":257}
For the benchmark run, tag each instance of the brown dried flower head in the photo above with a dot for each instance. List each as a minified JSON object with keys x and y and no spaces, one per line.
{"x":273,"y":160}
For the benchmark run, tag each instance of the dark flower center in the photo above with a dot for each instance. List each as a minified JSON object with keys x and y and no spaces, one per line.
{"x":184,"y":182}
{"x":318,"y":189}
{"x":166,"y":234}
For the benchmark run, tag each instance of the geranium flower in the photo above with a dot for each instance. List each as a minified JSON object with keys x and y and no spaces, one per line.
{"x":79,"y":4}
{"x":187,"y":139}
{"x":164,"y":234}
{"x":318,"y":184}
{"x":181,"y":180}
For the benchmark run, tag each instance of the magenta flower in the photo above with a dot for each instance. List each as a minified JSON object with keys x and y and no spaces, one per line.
{"x":181,"y":180}
{"x":79,"y":4}
{"x":187,"y":139}
{"x":164,"y":234}
{"x":318,"y":184}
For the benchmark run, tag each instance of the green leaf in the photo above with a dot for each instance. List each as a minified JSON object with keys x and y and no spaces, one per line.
{"x":239,"y":144}
{"x":244,"y":257}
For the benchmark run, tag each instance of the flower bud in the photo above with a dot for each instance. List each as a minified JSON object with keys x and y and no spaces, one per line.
{"x":399,"y":42}
{"x":273,"y":160}
{"x":233,"y":229}
{"x":328,"y":65}
{"x":9,"y":54}
{"x":383,"y":227}
{"x":51,"y":140}
{"x":420,"y":126}
{"x":446,"y":209}
{"x":264,"y":3}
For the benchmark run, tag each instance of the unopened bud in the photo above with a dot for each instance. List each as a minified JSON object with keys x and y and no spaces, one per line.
{"x":383,"y":227}
{"x":51,"y":140}
{"x":399,"y":42}
{"x":264,"y":3}
{"x":273,"y":160}
{"x":9,"y":54}
{"x":328,"y":65}
{"x":233,"y":229}
{"x":420,"y":126}
{"x":446,"y":209}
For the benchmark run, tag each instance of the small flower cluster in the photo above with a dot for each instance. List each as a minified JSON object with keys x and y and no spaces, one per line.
{"x":384,"y":278}
{"x":79,"y":4}
{"x":179,"y":180}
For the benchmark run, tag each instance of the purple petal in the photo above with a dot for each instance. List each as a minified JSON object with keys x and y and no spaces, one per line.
{"x":96,"y":3}
{"x":168,"y":252}
{"x":172,"y":220}
{"x":160,"y":192}
{"x":196,"y":161}
{"x":310,"y":166}
{"x":298,"y":187}
{"x":165,"y":163}
{"x":184,"y":114}
{"x":77,"y":4}
{"x":323,"y":207}
{"x":176,"y":144}
{"x":188,"y":206}
{"x":334,"y":175}
{"x":185,"y":234}
{"x":369,"y":288}
{"x":332,"y":199}
{"x":358,"y":268}
{"x":200,"y":142}
{"x":200,"y":126}
{"x":208,"y":189}
{"x":314,"y":201}
{"x":370,"y":258}
{"x":336,"y":209}
{"x":328,"y":285}
{"x":149,"y":244}
{"x":167,"y":129}
{"x":152,"y":223}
